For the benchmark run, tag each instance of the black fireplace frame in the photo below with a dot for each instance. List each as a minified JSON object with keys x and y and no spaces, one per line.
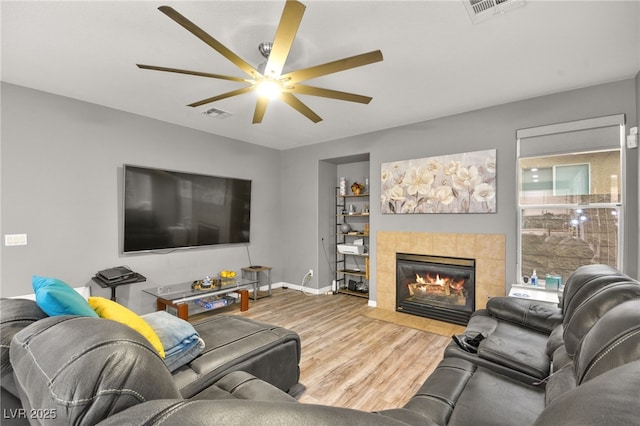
{"x":451,"y":315}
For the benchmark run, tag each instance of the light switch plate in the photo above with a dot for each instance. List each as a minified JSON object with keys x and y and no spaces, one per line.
{"x":15,"y":239}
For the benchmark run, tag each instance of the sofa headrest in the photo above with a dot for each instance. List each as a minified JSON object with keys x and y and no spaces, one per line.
{"x":611,"y":398}
{"x":584,"y":281}
{"x":15,"y":314}
{"x":593,"y":308}
{"x":614,"y":340}
{"x":86,"y":368}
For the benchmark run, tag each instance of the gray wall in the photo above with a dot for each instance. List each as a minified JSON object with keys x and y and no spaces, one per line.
{"x":488,"y":128}
{"x":61,"y":185}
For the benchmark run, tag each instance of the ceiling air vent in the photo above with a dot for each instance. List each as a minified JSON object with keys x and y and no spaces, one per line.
{"x":217,"y":113}
{"x":480,"y":10}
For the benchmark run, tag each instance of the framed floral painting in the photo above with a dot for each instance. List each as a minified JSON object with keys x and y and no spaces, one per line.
{"x":456,"y":183}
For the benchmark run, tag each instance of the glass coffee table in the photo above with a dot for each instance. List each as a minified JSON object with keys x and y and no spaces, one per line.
{"x":180,"y":296}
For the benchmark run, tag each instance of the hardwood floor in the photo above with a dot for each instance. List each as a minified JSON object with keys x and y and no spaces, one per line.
{"x":350,"y":359}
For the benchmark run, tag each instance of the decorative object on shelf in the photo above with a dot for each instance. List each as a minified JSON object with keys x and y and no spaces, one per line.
{"x":366,"y":229}
{"x":343,"y":186}
{"x":227,"y":276}
{"x":357,"y":188}
{"x":214,"y":303}
{"x":553,"y":282}
{"x":456,"y":183}
{"x":206,"y":282}
{"x":200,"y":284}
{"x":345,"y":228}
{"x":352,"y":209}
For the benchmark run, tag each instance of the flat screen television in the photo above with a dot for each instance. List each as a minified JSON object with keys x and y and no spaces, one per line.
{"x":165,"y":210}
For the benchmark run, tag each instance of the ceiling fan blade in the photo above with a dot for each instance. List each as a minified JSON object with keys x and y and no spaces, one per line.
{"x":332,"y":67}
{"x":212,"y":42}
{"x":283,"y":40}
{"x":261,"y":108}
{"x":197,"y":73}
{"x":296,"y":104}
{"x":327,"y":93}
{"x":223,"y":96}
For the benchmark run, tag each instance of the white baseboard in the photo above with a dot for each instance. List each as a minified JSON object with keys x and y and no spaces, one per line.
{"x":315,"y":291}
{"x":309,"y":290}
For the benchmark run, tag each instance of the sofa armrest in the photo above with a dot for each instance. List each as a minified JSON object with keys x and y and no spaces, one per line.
{"x":242,"y":385}
{"x":537,"y":316}
{"x":15,"y":315}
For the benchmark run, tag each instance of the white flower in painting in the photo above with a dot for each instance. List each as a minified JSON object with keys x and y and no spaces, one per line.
{"x":444,"y":195}
{"x":396,"y":193}
{"x":386,"y":176}
{"x":483,"y":192}
{"x":408,"y":207}
{"x":433,"y":165}
{"x":466,"y":178}
{"x":490,"y":164}
{"x":418,"y":181}
{"x":452,"y":168}
{"x":397,"y":172}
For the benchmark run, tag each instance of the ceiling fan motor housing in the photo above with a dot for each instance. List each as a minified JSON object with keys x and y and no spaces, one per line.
{"x":265,"y":48}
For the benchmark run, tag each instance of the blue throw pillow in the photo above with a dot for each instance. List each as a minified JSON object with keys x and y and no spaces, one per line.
{"x":56,"y":297}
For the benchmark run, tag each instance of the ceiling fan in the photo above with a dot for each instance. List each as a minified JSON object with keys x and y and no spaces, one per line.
{"x":272,"y":83}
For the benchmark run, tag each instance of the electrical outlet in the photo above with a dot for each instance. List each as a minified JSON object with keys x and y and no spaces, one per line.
{"x":310,"y":272}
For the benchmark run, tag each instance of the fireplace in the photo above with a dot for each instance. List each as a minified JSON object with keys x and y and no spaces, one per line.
{"x":437,"y":287}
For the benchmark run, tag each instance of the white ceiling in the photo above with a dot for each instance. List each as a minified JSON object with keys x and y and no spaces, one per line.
{"x":436,"y":61}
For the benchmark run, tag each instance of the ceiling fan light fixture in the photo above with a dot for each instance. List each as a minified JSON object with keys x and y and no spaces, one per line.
{"x":269,"y":88}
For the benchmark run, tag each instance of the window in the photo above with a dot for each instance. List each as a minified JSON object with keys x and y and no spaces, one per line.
{"x":570,"y":185}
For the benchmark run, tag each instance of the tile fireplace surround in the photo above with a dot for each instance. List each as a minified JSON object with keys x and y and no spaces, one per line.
{"x":487,"y":249}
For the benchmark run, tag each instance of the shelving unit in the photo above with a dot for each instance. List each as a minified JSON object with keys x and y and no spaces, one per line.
{"x":352,"y":270}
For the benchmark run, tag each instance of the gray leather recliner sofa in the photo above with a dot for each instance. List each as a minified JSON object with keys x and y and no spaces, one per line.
{"x":522,"y":336}
{"x":243,"y":358}
{"x":114,"y":377}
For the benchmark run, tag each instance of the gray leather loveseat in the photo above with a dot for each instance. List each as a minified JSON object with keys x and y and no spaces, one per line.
{"x":80,"y":370}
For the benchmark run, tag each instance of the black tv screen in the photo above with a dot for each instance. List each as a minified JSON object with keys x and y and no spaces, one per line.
{"x":166,"y":209}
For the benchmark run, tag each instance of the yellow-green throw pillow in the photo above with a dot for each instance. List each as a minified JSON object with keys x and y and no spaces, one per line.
{"x":109,"y":309}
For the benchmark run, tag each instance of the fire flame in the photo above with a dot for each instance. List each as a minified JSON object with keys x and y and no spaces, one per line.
{"x":430,"y":284}
{"x":437,"y":281}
